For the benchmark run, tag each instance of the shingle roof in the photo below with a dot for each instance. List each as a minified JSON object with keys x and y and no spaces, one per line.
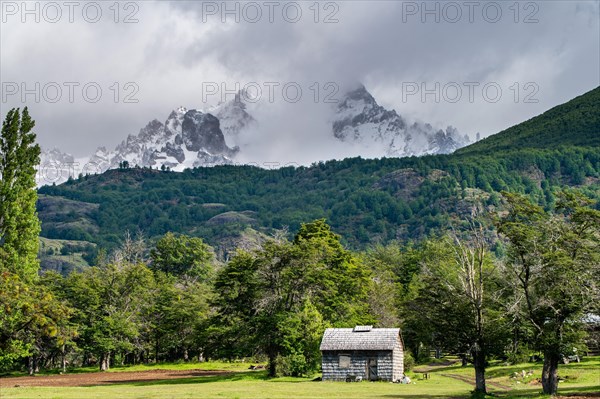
{"x":337,"y":339}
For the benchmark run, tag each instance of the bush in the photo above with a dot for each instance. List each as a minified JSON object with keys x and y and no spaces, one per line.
{"x":409,"y":361}
{"x":477,"y":395}
{"x":293,"y":365}
{"x":521,"y":355}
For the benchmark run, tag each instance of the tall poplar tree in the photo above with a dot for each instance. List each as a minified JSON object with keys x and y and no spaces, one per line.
{"x":19,"y":224}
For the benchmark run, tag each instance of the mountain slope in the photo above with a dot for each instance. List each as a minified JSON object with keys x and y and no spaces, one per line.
{"x":365,"y":200}
{"x":576,"y":122}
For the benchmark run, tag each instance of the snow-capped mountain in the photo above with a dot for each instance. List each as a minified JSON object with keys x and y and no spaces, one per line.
{"x":187,"y":139}
{"x":192,"y":138}
{"x":359,"y":119}
{"x":234,"y":117}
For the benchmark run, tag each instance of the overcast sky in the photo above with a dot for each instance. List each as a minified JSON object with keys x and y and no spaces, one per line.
{"x":168,"y":54}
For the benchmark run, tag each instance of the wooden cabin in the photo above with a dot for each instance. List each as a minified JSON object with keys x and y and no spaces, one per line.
{"x":362,"y":353}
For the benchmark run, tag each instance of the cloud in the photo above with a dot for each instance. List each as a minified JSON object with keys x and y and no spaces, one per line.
{"x":176,"y":47}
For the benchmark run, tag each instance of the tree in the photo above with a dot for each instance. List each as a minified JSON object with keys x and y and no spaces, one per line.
{"x":182,"y":255}
{"x":176,"y":318}
{"x":28,"y":314}
{"x":109,"y":302}
{"x":555,"y":261}
{"x":19,"y":225}
{"x":393,"y":267}
{"x":263,"y":295}
{"x":132,"y":250}
{"x":338,"y":280}
{"x":302,"y":332}
{"x":457,"y":297}
{"x":469,"y":279}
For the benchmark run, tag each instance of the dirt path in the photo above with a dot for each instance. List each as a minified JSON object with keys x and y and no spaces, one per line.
{"x":85,"y":379}
{"x":433,"y":366}
{"x":470,"y":380}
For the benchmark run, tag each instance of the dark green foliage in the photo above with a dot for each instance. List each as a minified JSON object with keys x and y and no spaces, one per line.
{"x":576,"y":122}
{"x":366,"y":201}
{"x":181,"y":255}
{"x":109,"y":302}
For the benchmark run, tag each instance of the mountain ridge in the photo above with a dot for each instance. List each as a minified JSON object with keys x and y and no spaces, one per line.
{"x":191,"y":138}
{"x":579,"y":115}
{"x":366,"y":200}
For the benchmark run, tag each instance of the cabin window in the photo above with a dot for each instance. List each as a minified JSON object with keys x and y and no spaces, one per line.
{"x":344,"y":361}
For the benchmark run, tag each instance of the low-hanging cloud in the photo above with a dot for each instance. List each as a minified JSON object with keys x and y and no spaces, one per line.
{"x":547,"y":52}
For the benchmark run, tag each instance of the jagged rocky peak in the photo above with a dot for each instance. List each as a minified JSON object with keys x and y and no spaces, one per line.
{"x":173,"y":122}
{"x":233,"y":116}
{"x":190,"y":137}
{"x":360,"y":93}
{"x":359,"y":108}
{"x":55,"y":156}
{"x":202,"y":131}
{"x":360,"y":120}
{"x":153,"y":128}
{"x":150,"y":134}
{"x":449,"y":140}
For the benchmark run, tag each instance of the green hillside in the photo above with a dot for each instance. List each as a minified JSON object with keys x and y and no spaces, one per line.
{"x":576,"y":122}
{"x":366,"y":201}
{"x":65,"y":256}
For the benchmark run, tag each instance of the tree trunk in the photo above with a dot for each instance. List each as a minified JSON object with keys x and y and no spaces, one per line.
{"x":105,"y":361}
{"x":64,"y":359}
{"x":272,"y":363}
{"x":479,"y":363}
{"x":550,"y":373}
{"x":36,"y":364}
{"x":156,"y":351}
{"x":30,"y":367}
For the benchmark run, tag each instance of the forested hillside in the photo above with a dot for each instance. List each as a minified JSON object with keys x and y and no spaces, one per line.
{"x":576,"y":122}
{"x":366,"y":201}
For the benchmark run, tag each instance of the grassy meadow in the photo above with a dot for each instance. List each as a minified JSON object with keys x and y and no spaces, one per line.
{"x":446,"y":382}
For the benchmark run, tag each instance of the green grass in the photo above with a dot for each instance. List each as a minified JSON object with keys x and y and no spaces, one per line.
{"x":239,"y":366}
{"x":581,"y":378}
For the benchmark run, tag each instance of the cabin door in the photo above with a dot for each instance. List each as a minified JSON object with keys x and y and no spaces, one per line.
{"x":372,"y":370}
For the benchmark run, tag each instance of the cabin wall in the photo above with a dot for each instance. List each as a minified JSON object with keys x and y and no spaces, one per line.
{"x":386,"y":369}
{"x":398,"y":362}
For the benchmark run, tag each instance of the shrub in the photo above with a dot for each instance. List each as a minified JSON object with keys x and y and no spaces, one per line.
{"x":409,"y":361}
{"x":293,"y":365}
